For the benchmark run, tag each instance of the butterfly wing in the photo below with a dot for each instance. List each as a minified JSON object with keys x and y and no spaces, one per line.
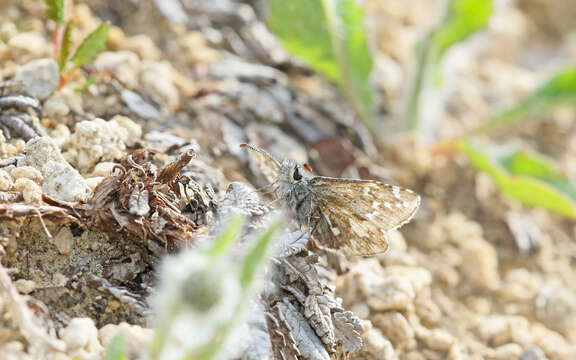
{"x":358,"y":214}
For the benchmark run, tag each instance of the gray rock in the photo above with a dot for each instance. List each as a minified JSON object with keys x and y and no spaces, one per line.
{"x":63,"y":182}
{"x":40,"y":77}
{"x":39,"y":151}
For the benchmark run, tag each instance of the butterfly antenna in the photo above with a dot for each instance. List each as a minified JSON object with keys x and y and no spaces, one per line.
{"x":260,"y":151}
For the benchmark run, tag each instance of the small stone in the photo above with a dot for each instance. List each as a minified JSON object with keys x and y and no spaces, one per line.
{"x":428,"y":312}
{"x":501,"y":329}
{"x":519,"y":285}
{"x":143,"y":46}
{"x":116,"y":38}
{"x":395,"y":327}
{"x":436,"y":339}
{"x":460,"y":229}
{"x":157,"y":80}
{"x":81,"y":334}
{"x":62,"y":102}
{"x":361,"y":310}
{"x":28,"y":45}
{"x":27,"y":172}
{"x":64,"y":240}
{"x":31,"y":191}
{"x":555,"y":307}
{"x":40,"y":77}
{"x":137,"y":339}
{"x":39,"y":151}
{"x":133,"y":130}
{"x":195,"y":49}
{"x":59,"y":280}
{"x":55,"y":107}
{"x":419,"y":277}
{"x":510,"y":351}
{"x":480,"y":264}
{"x":5,"y":181}
{"x":392,"y":294}
{"x":25,"y":286}
{"x":457,"y":352}
{"x":61,"y":135}
{"x":376,"y":343}
{"x":104,"y":168}
{"x":123,"y":64}
{"x":533,"y":353}
{"x":96,"y":140}
{"x":63,"y":182}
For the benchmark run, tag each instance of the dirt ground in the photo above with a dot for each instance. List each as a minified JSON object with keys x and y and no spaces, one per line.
{"x":475,"y":275}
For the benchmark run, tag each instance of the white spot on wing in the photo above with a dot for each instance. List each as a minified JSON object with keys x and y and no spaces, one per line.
{"x":358,"y":228}
{"x":396,"y":192}
{"x":387,"y":205}
{"x":376,"y":204}
{"x":372,"y":215}
{"x":335,"y":231}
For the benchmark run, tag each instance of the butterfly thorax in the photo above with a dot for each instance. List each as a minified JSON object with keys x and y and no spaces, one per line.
{"x":295,"y":189}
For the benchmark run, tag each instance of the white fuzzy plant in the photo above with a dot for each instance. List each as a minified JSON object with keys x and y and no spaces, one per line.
{"x":203,"y":295}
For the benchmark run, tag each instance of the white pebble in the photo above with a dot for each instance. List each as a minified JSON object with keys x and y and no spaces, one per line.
{"x":64,"y":240}
{"x":27,"y":172}
{"x":25,"y":286}
{"x":30,"y":190}
{"x":5,"y":181}
{"x":81,"y":334}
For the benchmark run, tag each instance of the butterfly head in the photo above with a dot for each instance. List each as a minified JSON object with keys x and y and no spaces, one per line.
{"x":292,"y":173}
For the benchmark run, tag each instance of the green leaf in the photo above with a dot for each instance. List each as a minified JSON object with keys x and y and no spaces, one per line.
{"x":252,"y":262}
{"x":560,"y":89}
{"x":116,"y":349}
{"x":91,"y":46}
{"x":462,"y":19}
{"x":530,"y":178}
{"x":227,"y":236}
{"x":329,"y":35}
{"x":66,"y":48}
{"x":55,"y":10}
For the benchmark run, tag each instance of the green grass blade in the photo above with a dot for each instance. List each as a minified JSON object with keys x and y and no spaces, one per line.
{"x":462,"y":19}
{"x":252,"y":263}
{"x":91,"y":46}
{"x":55,"y":10}
{"x":226,"y":237}
{"x":329,"y":35}
{"x":66,"y":48}
{"x":530,"y":178}
{"x":560,"y":89}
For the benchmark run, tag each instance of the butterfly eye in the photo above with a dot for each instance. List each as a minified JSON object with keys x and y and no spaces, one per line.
{"x":297,"y":176}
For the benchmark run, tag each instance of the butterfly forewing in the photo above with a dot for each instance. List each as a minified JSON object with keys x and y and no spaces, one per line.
{"x":358,"y":214}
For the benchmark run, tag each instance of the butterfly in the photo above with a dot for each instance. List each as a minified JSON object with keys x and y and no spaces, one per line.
{"x":346,"y":214}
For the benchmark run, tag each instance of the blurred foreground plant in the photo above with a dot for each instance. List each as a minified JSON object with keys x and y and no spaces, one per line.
{"x":203,"y":294}
{"x":94,"y":43}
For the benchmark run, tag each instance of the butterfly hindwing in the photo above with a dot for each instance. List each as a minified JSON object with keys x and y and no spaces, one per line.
{"x":358,"y":214}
